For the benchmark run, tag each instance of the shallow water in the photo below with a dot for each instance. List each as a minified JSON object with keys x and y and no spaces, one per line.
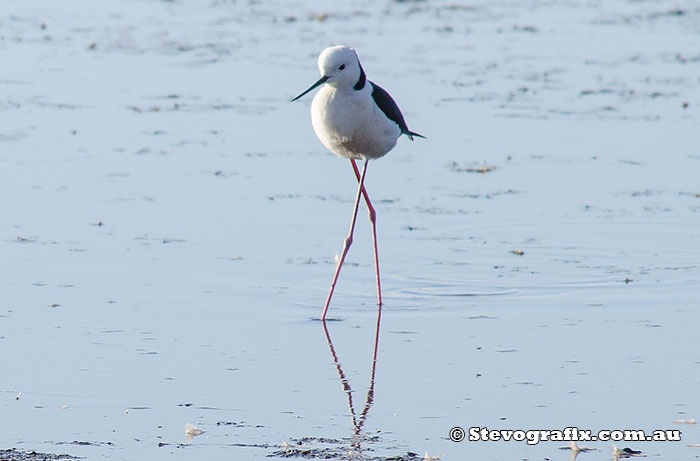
{"x":170,"y":224}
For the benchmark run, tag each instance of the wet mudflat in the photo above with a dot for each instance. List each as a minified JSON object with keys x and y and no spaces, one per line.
{"x":170,"y":224}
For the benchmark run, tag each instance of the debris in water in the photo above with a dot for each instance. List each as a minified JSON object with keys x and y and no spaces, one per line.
{"x":192,"y":431}
{"x":626,"y":453}
{"x":677,"y":421}
{"x":482,"y":169}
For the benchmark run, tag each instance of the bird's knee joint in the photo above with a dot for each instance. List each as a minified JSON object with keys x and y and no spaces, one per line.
{"x":348,"y":241}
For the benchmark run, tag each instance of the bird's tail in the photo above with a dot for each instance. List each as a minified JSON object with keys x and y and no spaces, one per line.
{"x":411,"y":134}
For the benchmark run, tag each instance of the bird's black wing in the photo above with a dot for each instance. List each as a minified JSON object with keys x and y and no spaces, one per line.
{"x":387,"y":104}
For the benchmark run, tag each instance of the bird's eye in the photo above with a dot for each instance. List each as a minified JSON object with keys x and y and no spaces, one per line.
{"x":342,"y":66}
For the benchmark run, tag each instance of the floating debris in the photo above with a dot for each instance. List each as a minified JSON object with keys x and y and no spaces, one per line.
{"x":677,"y":421}
{"x":518,"y":252}
{"x":15,"y":455}
{"x":626,"y":453}
{"x":192,"y":431}
{"x":671,"y":12}
{"x":483,"y":169}
{"x":230,"y":423}
{"x":526,"y":28}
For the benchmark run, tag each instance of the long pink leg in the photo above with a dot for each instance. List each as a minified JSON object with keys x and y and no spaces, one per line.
{"x":348,"y":240}
{"x":373,"y":220}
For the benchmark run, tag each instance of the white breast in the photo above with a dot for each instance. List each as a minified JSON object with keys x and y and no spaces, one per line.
{"x":349,"y":123}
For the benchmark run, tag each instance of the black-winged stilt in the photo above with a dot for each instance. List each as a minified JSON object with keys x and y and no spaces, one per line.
{"x":356,"y":119}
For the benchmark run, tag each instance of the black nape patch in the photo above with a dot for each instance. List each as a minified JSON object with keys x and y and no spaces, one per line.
{"x":361,"y":81}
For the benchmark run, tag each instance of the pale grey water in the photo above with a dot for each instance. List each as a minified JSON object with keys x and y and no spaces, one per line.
{"x":195,"y":301}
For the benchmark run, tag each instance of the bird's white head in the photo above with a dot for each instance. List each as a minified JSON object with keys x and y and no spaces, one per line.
{"x":339,"y":67}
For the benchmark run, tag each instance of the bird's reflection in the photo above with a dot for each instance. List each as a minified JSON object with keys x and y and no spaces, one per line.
{"x":358,"y":421}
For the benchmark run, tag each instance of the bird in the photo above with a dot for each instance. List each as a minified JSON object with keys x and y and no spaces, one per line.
{"x":357,"y":119}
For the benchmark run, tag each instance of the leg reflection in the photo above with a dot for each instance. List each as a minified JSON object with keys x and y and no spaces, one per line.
{"x":357,"y":421}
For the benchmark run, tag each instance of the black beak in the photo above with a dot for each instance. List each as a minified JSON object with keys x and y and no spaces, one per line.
{"x":320,"y":82}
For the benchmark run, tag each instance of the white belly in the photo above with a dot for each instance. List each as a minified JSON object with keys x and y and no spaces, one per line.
{"x":351,"y":125}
